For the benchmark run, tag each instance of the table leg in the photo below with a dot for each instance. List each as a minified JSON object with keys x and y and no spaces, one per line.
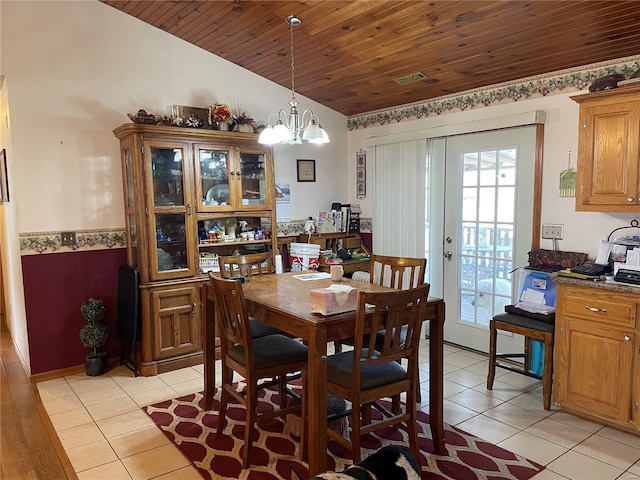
{"x":436,"y":372}
{"x":316,"y":398}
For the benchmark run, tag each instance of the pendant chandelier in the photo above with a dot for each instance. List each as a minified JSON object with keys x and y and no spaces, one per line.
{"x":293,"y":127}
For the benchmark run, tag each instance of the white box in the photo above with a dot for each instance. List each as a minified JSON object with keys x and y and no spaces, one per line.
{"x":327,"y":301}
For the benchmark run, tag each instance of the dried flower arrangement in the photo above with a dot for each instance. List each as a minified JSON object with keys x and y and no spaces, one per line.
{"x":220,"y":113}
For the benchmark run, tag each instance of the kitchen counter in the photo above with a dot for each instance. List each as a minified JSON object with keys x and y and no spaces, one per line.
{"x":599,"y":284}
{"x":596,"y":364}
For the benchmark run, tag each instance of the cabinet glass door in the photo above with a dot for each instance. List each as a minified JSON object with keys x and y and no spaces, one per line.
{"x":130,"y":204}
{"x":170,"y":221}
{"x":167,"y":172}
{"x":253,"y":183}
{"x":132,"y":255}
{"x":128,"y":165}
{"x":171,"y":242}
{"x":214,"y":168}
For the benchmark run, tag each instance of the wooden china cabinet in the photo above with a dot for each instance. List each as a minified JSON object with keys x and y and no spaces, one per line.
{"x":187,"y":195}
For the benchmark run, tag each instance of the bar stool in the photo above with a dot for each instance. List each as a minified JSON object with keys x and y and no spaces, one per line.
{"x":531,"y":329}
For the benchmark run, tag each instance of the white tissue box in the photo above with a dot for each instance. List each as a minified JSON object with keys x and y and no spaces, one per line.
{"x":329,"y":302}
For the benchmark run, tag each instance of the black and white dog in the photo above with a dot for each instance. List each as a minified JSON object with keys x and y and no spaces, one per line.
{"x":392,"y":462}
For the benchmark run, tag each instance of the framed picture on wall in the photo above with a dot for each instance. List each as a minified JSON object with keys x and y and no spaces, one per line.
{"x":361,"y":173}
{"x":4,"y":181}
{"x":306,"y":170}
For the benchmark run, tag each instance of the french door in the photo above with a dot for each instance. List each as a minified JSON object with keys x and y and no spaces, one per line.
{"x":488,"y":200}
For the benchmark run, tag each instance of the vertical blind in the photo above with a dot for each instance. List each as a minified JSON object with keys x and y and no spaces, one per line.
{"x":399,"y":198}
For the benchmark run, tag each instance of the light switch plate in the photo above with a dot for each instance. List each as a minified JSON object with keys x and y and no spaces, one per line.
{"x":67,"y":239}
{"x":552,"y":231}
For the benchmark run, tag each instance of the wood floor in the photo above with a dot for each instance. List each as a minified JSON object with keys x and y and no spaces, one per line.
{"x":29,"y":448}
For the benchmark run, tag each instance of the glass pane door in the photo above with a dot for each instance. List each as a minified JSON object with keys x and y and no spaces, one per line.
{"x":169,"y":222}
{"x":171,"y":242}
{"x":486,"y":233}
{"x":128,"y":164}
{"x":167,"y":172}
{"x":487,"y":228}
{"x":252,"y":179}
{"x":214,"y":169}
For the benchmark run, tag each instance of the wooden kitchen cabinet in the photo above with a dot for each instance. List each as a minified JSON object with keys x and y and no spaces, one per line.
{"x":175,"y":311}
{"x":608,"y":151}
{"x":596,"y":356}
{"x":178,"y":184}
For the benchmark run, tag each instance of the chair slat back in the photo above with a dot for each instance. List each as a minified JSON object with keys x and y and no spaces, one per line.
{"x":397,"y":272}
{"x":245,"y":265}
{"x":391,"y":312}
{"x":232,"y":316}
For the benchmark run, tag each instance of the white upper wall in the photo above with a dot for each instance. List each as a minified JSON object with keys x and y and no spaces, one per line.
{"x":582,"y":230}
{"x":76,"y":68}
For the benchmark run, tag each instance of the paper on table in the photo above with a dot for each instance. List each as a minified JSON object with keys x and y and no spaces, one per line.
{"x":619,"y":265}
{"x":532,"y":296}
{"x":312,"y":276}
{"x":633,"y":256}
{"x":603,"y":252}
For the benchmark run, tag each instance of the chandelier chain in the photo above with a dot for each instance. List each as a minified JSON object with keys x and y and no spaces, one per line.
{"x":293,"y":81}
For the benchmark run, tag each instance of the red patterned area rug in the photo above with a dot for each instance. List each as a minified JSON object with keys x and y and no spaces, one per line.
{"x":192,"y":429}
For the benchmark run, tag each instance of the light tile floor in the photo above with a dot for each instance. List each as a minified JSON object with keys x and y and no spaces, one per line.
{"x":107,"y":436}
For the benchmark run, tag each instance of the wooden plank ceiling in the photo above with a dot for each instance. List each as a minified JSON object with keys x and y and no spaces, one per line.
{"x":347,"y":52}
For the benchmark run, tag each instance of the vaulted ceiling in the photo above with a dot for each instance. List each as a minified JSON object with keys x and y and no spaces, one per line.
{"x":347,"y":53}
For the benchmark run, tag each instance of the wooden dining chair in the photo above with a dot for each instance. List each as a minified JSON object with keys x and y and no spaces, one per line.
{"x":374,"y":371}
{"x":271,"y":356}
{"x":245,"y":265}
{"x":394,"y":272}
{"x":253,"y":264}
{"x":397,"y":272}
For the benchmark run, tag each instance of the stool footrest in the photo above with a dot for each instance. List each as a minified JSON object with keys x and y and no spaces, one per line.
{"x":518,"y":370}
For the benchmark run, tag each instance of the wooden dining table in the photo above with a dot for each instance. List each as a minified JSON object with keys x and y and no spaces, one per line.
{"x":283,"y":302}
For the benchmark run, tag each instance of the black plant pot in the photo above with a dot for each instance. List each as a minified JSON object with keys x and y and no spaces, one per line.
{"x":96,"y":366}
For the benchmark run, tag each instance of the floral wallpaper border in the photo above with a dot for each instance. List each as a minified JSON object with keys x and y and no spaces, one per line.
{"x":50,"y":242}
{"x":539,"y":86}
{"x":36,"y":243}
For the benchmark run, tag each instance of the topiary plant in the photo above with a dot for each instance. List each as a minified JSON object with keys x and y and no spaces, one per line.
{"x":94,"y":334}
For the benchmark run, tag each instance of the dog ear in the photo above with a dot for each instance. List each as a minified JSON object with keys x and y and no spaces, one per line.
{"x":294,"y":474}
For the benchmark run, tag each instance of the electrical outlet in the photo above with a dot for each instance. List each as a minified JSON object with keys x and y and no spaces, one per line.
{"x":67,"y":239}
{"x":553,"y":231}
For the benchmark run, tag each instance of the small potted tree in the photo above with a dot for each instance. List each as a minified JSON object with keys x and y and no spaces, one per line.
{"x":94,"y":335}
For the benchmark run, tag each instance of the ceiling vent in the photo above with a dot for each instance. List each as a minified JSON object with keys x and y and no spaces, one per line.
{"x":412,"y":77}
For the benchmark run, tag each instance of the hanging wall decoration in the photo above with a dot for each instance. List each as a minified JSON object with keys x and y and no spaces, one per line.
{"x":568,"y":180}
{"x":361,"y":174}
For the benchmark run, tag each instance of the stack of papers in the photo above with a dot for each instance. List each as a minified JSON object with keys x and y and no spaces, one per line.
{"x":535,"y":308}
{"x":533,"y":301}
